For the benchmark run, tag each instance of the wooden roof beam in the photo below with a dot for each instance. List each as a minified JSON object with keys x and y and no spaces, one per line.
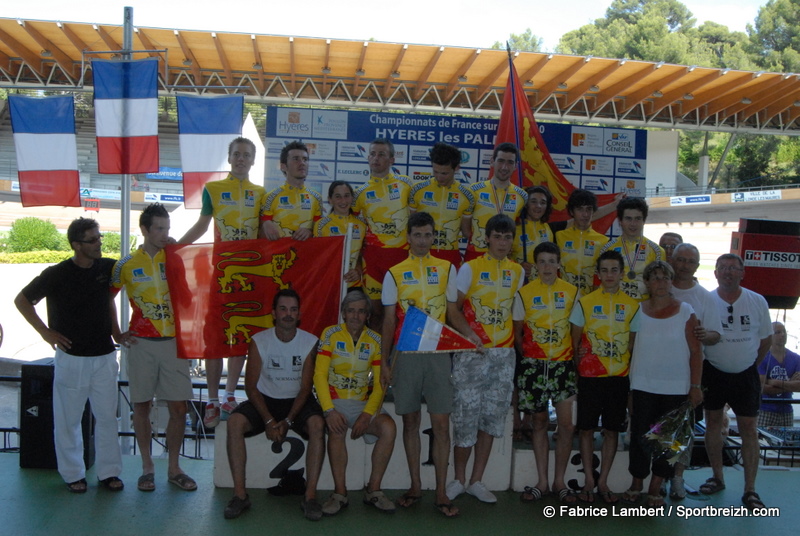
{"x":773,"y":103}
{"x":744,"y":98}
{"x":32,"y":60}
{"x":58,"y":55}
{"x":106,"y":37}
{"x":610,"y":93}
{"x":487,"y":83}
{"x":461,"y":71}
{"x":258,"y":65}
{"x":223,"y":59}
{"x":676,"y":94}
{"x":292,"y":68}
{"x":394,"y":73}
{"x":635,"y":98}
{"x":544,"y":91}
{"x":360,"y":68}
{"x":326,"y":69}
{"x":189,"y":57}
{"x":76,"y":41}
{"x":704,"y":97}
{"x":420,"y":87}
{"x":148,"y":44}
{"x":575,"y":94}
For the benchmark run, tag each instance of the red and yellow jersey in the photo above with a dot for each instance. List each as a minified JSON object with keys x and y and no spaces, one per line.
{"x":579,"y":252}
{"x":447,"y":205}
{"x":384,"y":205}
{"x":490,"y":201}
{"x":343,"y":368}
{"x":531,"y":234}
{"x":292,"y":208}
{"x":336,"y":225}
{"x":637,"y":254}
{"x":489,"y":286}
{"x":608,"y":321}
{"x":235,"y":205}
{"x":545,"y":311}
{"x":145,"y":281}
{"x":427,"y":283}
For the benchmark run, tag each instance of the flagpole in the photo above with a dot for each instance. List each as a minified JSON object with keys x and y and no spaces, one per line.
{"x":523,"y":214}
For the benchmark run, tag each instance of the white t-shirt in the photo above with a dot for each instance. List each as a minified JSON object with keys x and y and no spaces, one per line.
{"x":660,"y":362}
{"x":282,"y":362}
{"x":750,"y":322}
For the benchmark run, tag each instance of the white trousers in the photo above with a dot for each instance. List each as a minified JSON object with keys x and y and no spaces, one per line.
{"x":77,"y":379}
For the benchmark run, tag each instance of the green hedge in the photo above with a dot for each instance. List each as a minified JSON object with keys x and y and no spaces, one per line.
{"x":34,"y":234}
{"x":36,"y":257}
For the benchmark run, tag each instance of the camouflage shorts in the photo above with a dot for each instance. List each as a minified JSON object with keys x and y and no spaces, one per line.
{"x":540,"y":380}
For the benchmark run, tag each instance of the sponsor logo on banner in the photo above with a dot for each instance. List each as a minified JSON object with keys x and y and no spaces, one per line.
{"x":619,"y":142}
{"x":690,"y":200}
{"x":772,"y":259}
{"x":748,"y":197}
{"x":330,"y":124}
{"x":294,"y":123}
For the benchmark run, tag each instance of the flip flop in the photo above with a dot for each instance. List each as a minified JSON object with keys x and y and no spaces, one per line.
{"x":586,"y":495}
{"x":631,"y":496}
{"x":146,"y":482}
{"x":447,"y":509}
{"x":183,"y":481}
{"x":407,"y":500}
{"x":79,"y":486}
{"x":531,"y":494}
{"x":113,"y":483}
{"x":608,"y":497}
{"x":567,"y":496}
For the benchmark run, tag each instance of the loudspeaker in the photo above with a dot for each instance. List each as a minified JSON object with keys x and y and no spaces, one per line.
{"x":36,"y":444}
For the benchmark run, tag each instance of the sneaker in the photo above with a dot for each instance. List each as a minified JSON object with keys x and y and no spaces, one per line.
{"x":227,"y":407}
{"x":211,"y":419}
{"x":312,"y":510}
{"x":236,"y":506}
{"x":479,"y":491}
{"x":677,"y":488}
{"x":334,"y":503}
{"x":454,"y":489}
{"x":379,"y":501}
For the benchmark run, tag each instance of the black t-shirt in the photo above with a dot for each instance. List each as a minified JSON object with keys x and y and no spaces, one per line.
{"x":77,"y":304}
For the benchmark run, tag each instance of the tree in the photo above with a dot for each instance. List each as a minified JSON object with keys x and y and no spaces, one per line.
{"x":776,"y":35}
{"x":524,"y":42}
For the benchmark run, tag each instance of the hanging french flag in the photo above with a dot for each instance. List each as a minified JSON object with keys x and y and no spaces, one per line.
{"x":47,"y":154}
{"x":126,"y":112}
{"x":206,"y":126}
{"x":422,"y":333}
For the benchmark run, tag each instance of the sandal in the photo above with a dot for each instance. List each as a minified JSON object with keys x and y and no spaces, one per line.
{"x":631,"y":496}
{"x":586,"y":495}
{"x":146,"y":482}
{"x":113,"y":483}
{"x":531,"y":494}
{"x":608,"y":497}
{"x":711,"y":486}
{"x":751,"y":500}
{"x":447,"y":509}
{"x":655,"y":501}
{"x":567,"y":496}
{"x":79,"y":486}
{"x":407,"y":500}
{"x":183,"y":481}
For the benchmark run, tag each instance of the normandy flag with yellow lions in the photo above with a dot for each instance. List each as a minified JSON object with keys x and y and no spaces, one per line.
{"x":536,"y":166}
{"x":222,"y":293}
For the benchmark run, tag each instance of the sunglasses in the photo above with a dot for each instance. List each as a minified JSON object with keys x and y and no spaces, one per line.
{"x":93,"y":240}
{"x":730,"y":314}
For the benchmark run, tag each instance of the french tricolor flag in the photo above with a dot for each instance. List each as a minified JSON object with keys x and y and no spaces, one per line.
{"x":423,"y":333}
{"x":47,"y":154}
{"x":206,"y":126}
{"x":126,"y":112}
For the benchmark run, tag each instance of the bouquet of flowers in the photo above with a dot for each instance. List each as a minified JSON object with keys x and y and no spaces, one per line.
{"x":671,"y":438}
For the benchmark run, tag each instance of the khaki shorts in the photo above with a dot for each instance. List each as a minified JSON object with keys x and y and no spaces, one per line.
{"x":416,"y":375}
{"x":155,"y":369}
{"x":352,"y":410}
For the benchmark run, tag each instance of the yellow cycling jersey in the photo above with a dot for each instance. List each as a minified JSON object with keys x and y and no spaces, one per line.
{"x":343,"y":368}
{"x":384,"y":205}
{"x":545,"y":310}
{"x":608,"y":319}
{"x":426,"y":282}
{"x":235,"y":205}
{"x":145,"y":282}
{"x":637,"y":254}
{"x":489,"y":286}
{"x":336,"y":225}
{"x":447,"y":205}
{"x":292,"y":208}
{"x":531,"y":234}
{"x":579,"y":252}
{"x":490,"y":201}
